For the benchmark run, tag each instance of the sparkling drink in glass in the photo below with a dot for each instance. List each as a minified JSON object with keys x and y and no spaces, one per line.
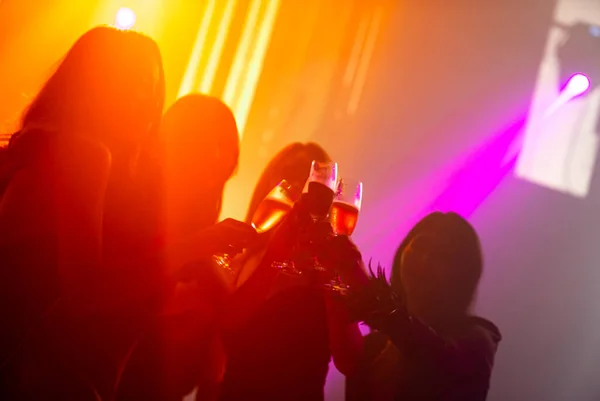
{"x":344,"y":215}
{"x":271,"y":210}
{"x":346,"y":206}
{"x":343,"y":218}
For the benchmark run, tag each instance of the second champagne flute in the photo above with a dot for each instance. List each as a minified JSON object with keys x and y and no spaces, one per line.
{"x":320,"y":188}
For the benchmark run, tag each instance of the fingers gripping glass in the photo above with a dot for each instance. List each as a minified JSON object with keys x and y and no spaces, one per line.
{"x":320,"y":188}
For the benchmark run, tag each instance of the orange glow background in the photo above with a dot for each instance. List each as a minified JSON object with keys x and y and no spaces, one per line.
{"x":406,"y":96}
{"x":278,"y":64}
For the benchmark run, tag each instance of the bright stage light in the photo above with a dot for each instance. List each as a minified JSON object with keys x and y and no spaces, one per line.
{"x":579,"y":54}
{"x":125,"y":18}
{"x":577,"y":85}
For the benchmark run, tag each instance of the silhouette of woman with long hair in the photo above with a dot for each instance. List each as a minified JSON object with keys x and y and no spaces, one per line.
{"x":281,"y":332}
{"x":66,"y":213}
{"x":425,"y":343}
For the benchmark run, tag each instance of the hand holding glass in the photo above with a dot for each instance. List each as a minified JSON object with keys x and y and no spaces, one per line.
{"x":318,"y":193}
{"x":270,"y":211}
{"x":320,"y":188}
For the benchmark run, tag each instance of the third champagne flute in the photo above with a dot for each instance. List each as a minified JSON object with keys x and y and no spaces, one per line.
{"x":346,"y":206}
{"x":344,"y":215}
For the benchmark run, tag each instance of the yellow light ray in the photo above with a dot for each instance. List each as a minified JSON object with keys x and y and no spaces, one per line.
{"x":192,"y":69}
{"x":217,"y":49}
{"x":363,"y":66}
{"x":356,"y":50}
{"x":255,"y":64}
{"x":241,"y":58}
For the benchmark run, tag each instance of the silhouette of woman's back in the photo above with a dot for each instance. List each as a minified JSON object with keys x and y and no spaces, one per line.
{"x":276,"y":339}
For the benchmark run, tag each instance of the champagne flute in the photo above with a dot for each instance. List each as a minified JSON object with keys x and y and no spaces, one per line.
{"x":344,"y":215}
{"x":318,"y":193}
{"x":346,"y":206}
{"x":320,"y":188}
{"x":273,"y":208}
{"x":270,"y":211}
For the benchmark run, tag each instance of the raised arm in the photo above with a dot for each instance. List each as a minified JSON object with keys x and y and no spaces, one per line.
{"x":469,"y":351}
{"x":468,"y":354}
{"x":345,"y":338}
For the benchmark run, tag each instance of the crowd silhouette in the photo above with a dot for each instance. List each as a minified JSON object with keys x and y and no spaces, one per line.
{"x":120,"y":283}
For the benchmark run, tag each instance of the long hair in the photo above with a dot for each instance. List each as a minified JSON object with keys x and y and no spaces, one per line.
{"x":457,"y":241}
{"x":292,"y":163}
{"x":111,"y":82}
